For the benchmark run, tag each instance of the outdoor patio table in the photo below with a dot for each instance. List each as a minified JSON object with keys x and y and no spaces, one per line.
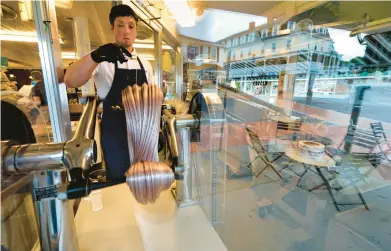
{"x":322,"y":163}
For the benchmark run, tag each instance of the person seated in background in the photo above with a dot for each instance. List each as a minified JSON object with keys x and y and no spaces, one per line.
{"x":38,"y":95}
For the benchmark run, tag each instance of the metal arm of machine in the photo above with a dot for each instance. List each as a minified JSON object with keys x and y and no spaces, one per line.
{"x":172,"y":124}
{"x":79,"y":152}
{"x":77,"y":155}
{"x":169,"y":121}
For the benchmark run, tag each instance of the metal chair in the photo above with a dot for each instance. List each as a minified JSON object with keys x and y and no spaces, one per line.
{"x":262,"y":153}
{"x":349,"y":163}
{"x":363,"y":139}
{"x":289,"y":126}
{"x":381,"y":136}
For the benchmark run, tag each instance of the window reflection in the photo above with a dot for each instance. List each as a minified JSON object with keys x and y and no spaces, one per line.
{"x":307,"y":81}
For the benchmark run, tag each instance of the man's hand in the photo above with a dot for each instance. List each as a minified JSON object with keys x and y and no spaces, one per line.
{"x":110,"y":53}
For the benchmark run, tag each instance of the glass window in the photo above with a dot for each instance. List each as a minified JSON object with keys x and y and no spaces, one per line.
{"x":205,"y":51}
{"x":243,"y":39}
{"x":275,"y":30}
{"x":292,"y":25}
{"x":168,"y":70}
{"x":213,"y":53}
{"x":251,"y":37}
{"x":264,"y":33}
{"x":314,"y":57}
{"x":22,"y":81}
{"x":236,"y":41}
{"x":289,"y":44}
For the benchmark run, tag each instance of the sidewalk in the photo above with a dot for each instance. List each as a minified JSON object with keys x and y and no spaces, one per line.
{"x":333,"y":117}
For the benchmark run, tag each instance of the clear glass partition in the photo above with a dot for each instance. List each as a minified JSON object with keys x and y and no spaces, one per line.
{"x":307,"y":150}
{"x":293,"y":151}
{"x":21,"y":73}
{"x":169,"y":72}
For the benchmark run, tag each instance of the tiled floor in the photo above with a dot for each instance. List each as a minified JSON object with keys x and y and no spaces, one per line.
{"x":267,"y":213}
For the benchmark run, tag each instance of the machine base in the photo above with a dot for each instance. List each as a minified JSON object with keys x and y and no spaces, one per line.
{"x":182,"y":204}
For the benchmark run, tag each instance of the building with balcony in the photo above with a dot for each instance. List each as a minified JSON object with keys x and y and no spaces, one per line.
{"x":255,"y":58}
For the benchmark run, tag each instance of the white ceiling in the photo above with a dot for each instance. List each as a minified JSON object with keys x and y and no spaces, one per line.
{"x":256,"y":7}
{"x":211,"y":28}
{"x":22,"y":54}
{"x":215,"y":25}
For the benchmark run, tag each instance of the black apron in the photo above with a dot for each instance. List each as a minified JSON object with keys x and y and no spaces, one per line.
{"x":114,"y":138}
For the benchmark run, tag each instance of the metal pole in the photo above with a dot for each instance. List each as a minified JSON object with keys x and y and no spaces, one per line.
{"x":83,"y":47}
{"x":311,"y":82}
{"x":56,"y":94}
{"x":158,"y":58}
{"x":184,"y":185}
{"x":56,"y":217}
{"x":179,"y":76}
{"x":57,"y":229}
{"x":355,"y":115}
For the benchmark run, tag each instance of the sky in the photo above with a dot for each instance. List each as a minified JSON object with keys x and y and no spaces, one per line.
{"x":348,"y":46}
{"x":218,"y":24}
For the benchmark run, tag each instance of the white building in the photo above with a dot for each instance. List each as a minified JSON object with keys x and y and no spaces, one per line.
{"x":255,"y":58}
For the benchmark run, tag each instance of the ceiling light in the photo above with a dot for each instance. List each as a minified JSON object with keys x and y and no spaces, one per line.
{"x":198,"y":13}
{"x":26,"y":10}
{"x":181,"y":12}
{"x":146,"y":57}
{"x":12,"y":75}
{"x":68,"y":55}
{"x":72,"y":55}
{"x":149,"y":46}
{"x":30,"y":77}
{"x":64,"y":4}
{"x":20,"y":36}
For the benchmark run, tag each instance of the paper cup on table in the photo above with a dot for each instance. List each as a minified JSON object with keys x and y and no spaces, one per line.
{"x":311,"y":149}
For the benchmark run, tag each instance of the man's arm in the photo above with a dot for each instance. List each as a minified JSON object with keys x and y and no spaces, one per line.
{"x":80,"y":72}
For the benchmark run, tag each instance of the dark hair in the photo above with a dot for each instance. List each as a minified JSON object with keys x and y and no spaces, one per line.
{"x":121,"y":10}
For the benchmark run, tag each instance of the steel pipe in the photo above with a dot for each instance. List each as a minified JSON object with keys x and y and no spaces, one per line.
{"x":186,"y":120}
{"x":80,"y":151}
{"x":39,"y":157}
{"x":184,"y":185}
{"x":169,"y":120}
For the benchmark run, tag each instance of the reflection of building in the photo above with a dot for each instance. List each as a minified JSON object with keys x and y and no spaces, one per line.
{"x":254,"y":57}
{"x":377,"y":52}
{"x":202,"y":61}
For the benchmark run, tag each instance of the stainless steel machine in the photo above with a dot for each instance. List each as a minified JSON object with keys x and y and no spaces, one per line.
{"x":61,"y":170}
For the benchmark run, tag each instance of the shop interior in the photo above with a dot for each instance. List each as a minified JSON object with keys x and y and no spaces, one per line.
{"x":271,"y":136}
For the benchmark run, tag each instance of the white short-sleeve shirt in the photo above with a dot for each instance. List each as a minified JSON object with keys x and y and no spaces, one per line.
{"x":104,"y":74}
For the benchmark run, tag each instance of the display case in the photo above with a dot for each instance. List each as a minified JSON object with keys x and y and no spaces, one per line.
{"x":19,"y":228}
{"x":73,"y":95}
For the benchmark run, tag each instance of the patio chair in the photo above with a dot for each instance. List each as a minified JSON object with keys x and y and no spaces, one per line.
{"x":262,"y":152}
{"x":293,"y":127}
{"x":383,"y":141}
{"x":356,"y":137}
{"x":349,"y":164}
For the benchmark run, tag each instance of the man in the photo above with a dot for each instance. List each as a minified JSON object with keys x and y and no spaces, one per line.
{"x":113,"y":69}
